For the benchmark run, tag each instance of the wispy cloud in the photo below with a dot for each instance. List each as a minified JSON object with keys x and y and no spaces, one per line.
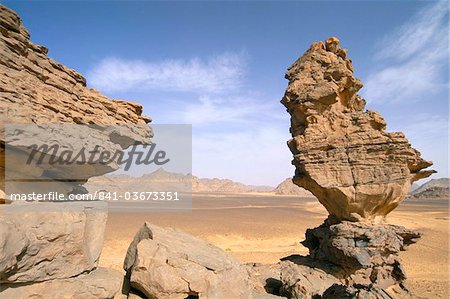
{"x":231,"y":109}
{"x":415,"y":36}
{"x":214,"y":75}
{"x":429,"y":133}
{"x":413,"y":59}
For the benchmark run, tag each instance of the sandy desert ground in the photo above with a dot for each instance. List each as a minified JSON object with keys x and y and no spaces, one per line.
{"x":257,"y":228}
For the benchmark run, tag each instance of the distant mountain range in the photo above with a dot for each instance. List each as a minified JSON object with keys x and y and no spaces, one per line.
{"x":287,"y":187}
{"x":434,"y":189}
{"x":160,"y":179}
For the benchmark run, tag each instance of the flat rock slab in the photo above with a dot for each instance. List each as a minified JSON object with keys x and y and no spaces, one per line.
{"x":101,"y":283}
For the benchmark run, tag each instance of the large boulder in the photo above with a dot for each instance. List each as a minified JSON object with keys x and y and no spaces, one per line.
{"x":45,"y":241}
{"x":342,"y":152}
{"x":167,"y":263}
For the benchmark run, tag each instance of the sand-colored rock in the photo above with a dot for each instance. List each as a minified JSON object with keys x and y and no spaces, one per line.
{"x":342,"y":152}
{"x":35,"y":89}
{"x":44,"y":241}
{"x":167,"y":263}
{"x":101,"y":283}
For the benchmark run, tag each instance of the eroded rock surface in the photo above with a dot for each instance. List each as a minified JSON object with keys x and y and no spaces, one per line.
{"x":51,"y":250}
{"x":291,"y":278}
{"x":101,"y":283}
{"x":366,"y":255}
{"x":167,"y":263}
{"x":342,"y":153}
{"x":44,"y":241}
{"x":35,"y":89}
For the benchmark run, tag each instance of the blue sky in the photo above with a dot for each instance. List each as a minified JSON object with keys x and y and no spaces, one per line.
{"x":220,"y":66}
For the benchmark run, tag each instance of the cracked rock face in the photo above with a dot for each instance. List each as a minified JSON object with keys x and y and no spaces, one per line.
{"x":168,"y":263}
{"x":45,"y":241}
{"x":342,"y":152}
{"x":366,"y":254}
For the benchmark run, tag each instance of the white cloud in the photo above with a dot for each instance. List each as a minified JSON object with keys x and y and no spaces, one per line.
{"x":413,"y":59}
{"x":214,"y":75}
{"x":230,"y":109}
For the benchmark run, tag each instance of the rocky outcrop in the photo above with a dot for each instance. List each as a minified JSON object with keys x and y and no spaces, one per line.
{"x":342,"y":153}
{"x":287,"y":187}
{"x":167,"y":263}
{"x":366,"y":254}
{"x":358,"y":171}
{"x":434,"y":189}
{"x":346,"y":260}
{"x":51,"y":250}
{"x":35,"y":89}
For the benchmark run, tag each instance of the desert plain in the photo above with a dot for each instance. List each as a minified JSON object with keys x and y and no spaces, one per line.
{"x":262,"y":228}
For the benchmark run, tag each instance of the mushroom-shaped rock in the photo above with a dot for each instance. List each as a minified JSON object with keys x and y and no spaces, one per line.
{"x":342,"y":153}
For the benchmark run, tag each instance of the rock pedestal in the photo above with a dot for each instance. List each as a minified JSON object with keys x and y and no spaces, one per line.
{"x":357,"y":170}
{"x":366,"y":254}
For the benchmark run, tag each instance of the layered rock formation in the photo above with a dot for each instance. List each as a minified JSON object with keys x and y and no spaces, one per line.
{"x":342,"y":153}
{"x":357,"y":170}
{"x":51,"y":250}
{"x":35,"y":89}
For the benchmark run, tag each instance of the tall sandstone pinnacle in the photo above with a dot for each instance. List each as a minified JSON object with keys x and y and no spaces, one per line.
{"x":342,"y":152}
